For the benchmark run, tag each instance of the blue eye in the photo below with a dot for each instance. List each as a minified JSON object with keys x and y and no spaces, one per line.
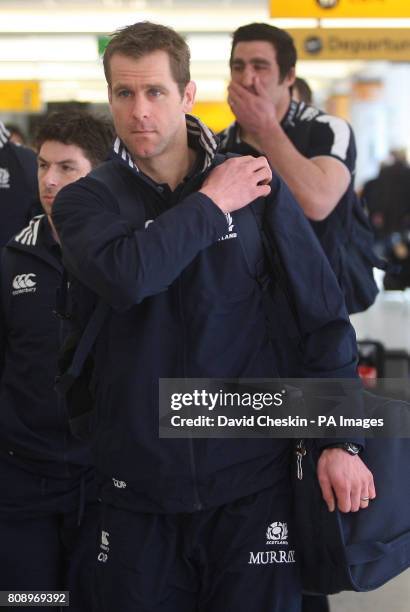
{"x":124,"y":93}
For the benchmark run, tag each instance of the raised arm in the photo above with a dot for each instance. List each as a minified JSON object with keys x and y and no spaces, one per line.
{"x":317,"y":182}
{"x":124,"y":265}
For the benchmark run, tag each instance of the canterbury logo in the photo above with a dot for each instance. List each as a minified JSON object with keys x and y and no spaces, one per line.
{"x":24,"y":283}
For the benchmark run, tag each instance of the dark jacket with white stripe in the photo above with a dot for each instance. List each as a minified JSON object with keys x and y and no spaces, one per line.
{"x":185,"y":305}
{"x":18,"y":186}
{"x":33,"y":422}
{"x":314,"y":134}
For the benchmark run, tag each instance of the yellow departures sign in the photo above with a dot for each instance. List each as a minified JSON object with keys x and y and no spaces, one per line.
{"x":321,"y":9}
{"x":20,"y":96}
{"x":346,"y":44}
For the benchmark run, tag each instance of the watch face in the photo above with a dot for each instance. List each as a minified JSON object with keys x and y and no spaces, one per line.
{"x":353,"y":449}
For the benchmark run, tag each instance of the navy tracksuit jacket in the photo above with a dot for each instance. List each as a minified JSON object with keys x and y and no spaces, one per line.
{"x":48,"y":510}
{"x":185,"y":305}
{"x":33,"y":422}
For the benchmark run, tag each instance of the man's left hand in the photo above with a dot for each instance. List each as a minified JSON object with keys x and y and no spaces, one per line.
{"x":345,"y":480}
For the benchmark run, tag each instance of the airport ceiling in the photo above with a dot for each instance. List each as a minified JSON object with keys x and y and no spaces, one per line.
{"x":55,"y":42}
{"x":131,"y":4}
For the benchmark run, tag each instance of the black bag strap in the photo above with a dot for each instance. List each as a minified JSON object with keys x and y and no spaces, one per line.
{"x":258,"y":244}
{"x":109,"y":175}
{"x":250,"y":239}
{"x":83,"y":349}
{"x":273,"y":257}
{"x":62,"y":309}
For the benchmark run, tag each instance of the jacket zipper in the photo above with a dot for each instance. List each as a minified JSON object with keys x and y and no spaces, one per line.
{"x":41,"y":252}
{"x":197,"y":503}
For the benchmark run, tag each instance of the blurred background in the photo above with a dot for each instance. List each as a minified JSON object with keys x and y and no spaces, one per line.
{"x":354,"y":54}
{"x":356,"y":60}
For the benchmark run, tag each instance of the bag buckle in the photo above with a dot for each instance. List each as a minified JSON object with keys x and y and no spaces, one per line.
{"x":300,"y":453}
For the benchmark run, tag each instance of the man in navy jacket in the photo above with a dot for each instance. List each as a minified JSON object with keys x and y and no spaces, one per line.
{"x":48,"y":496}
{"x":185,"y":521}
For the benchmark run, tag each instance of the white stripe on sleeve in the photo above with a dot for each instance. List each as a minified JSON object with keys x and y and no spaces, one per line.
{"x":341,"y":134}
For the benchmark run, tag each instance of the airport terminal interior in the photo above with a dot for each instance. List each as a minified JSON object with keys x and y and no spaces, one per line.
{"x":354,"y":56}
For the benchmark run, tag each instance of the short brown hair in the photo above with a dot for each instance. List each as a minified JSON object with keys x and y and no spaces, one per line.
{"x":145,"y":37}
{"x":93,"y":135}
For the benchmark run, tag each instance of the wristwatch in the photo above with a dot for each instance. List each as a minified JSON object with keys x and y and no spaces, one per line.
{"x":349,"y":447}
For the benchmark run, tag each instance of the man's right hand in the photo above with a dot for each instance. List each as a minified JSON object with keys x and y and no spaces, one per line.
{"x":237,"y":182}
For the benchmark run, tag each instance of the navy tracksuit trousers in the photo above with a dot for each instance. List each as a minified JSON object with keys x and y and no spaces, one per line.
{"x":239,"y":557}
{"x":48,"y":535}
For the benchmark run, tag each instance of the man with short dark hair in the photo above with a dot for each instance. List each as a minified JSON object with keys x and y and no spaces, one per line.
{"x":312,"y":151}
{"x":48,"y":516}
{"x":183,"y":520}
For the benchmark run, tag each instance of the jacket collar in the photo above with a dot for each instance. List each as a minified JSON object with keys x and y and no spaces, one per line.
{"x":29,"y":235}
{"x":200,"y":138}
{"x":37,"y":240}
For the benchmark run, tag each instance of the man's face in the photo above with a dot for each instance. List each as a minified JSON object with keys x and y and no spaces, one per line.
{"x":258,"y":59}
{"x":58,"y":165}
{"x":147,"y":107}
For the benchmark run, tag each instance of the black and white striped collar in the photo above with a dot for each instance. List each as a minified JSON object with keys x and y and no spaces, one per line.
{"x":202,"y":138}
{"x":199,"y":137}
{"x":294,"y":110}
{"x":4,"y":135}
{"x":29,"y":235}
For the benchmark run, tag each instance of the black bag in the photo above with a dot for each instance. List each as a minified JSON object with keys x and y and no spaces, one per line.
{"x":356,"y":244}
{"x":354,"y":258}
{"x":356,"y":551}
